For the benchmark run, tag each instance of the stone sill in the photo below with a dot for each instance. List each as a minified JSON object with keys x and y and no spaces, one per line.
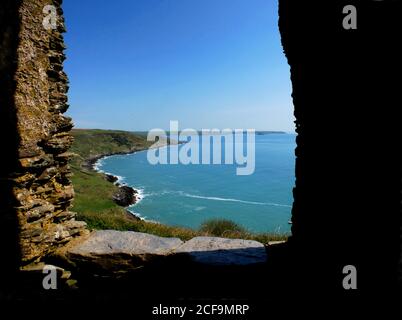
{"x":113,"y":253}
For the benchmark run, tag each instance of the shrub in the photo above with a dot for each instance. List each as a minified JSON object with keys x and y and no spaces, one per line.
{"x":221,"y":227}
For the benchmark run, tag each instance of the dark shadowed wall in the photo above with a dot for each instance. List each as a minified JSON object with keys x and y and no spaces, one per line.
{"x":347,"y":208}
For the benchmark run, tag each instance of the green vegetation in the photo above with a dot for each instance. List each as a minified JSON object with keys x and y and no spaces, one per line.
{"x":229,"y":229}
{"x":93,"y":192}
{"x":92,"y":143}
{"x":221,"y":227}
{"x":93,"y":200}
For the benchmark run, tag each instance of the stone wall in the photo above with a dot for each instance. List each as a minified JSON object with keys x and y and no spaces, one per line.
{"x":34,"y":97}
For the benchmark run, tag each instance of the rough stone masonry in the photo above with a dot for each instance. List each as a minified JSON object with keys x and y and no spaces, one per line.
{"x":34,"y":87}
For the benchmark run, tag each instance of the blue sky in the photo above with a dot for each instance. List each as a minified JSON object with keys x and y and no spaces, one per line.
{"x":136,"y":64}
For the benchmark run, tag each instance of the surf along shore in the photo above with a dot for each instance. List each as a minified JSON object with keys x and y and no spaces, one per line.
{"x":102,"y":199}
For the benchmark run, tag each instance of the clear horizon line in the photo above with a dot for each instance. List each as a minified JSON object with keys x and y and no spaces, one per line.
{"x":167,"y":130}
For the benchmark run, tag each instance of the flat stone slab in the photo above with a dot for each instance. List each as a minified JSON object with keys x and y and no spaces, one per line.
{"x":223,"y":252}
{"x":114,"y":253}
{"x":107,"y":242}
{"x":120,"y":251}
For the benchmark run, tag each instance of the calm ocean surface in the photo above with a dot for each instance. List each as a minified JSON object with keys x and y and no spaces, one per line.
{"x":187,"y":195}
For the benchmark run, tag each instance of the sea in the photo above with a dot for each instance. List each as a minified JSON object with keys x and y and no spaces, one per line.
{"x":189,"y":194}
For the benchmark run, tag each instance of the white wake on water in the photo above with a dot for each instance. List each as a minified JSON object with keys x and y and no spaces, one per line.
{"x":235,"y":200}
{"x":185,"y":194}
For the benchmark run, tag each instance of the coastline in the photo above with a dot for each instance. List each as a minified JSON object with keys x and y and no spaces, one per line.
{"x":95,"y":188}
{"x":130,"y":191}
{"x":90,"y":163}
{"x":126,"y":196}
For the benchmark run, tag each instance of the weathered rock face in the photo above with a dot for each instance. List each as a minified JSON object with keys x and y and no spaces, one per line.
{"x":39,"y":189}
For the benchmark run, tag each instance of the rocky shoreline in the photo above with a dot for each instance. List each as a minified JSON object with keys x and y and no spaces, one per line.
{"x":91,"y":162}
{"x":125,"y":195}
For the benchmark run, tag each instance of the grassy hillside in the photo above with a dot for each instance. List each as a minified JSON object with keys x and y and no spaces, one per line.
{"x":93,"y":201}
{"x":91,"y":143}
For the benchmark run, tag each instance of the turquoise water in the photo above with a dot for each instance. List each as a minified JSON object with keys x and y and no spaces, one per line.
{"x":187,"y":195}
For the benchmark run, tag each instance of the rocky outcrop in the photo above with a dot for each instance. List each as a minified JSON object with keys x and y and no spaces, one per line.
{"x":111,"y":178}
{"x":125,"y":196}
{"x":39,"y":184}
